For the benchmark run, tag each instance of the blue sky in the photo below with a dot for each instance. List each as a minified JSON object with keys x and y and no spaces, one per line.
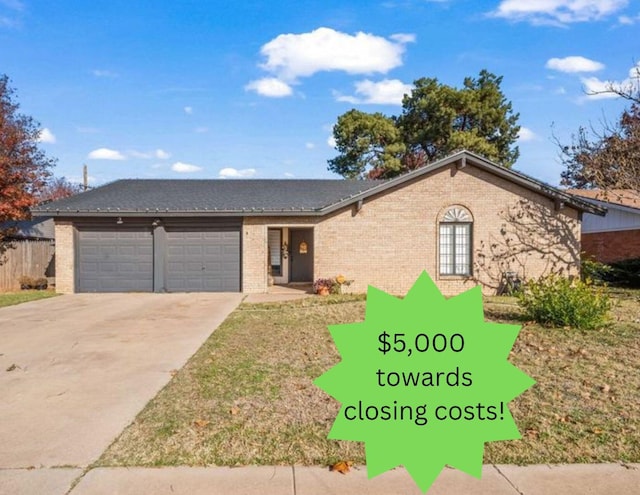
{"x":189,"y":89}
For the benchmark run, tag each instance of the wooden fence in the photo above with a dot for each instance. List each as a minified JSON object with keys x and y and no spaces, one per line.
{"x":34,"y":258}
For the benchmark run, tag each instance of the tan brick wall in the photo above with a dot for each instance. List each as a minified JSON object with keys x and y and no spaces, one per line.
{"x":65,"y":267}
{"x":394,"y":237}
{"x":608,"y":247}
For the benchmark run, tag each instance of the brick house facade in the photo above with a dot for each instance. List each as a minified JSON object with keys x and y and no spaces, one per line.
{"x":463,"y":219}
{"x":616,"y":236}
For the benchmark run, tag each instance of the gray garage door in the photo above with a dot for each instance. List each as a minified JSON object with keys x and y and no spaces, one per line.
{"x":115,"y":260}
{"x":203,"y":260}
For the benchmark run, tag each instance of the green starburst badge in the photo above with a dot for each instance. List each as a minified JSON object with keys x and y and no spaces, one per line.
{"x":424,"y":381}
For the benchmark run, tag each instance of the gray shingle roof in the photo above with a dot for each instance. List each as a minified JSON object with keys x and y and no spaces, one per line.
{"x":144,"y":197}
{"x":202,"y":196}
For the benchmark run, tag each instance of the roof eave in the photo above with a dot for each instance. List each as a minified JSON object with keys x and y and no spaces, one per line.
{"x":177,"y":213}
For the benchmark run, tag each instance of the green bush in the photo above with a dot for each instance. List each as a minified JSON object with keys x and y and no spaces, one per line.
{"x":559,"y":301}
{"x":595,"y":271}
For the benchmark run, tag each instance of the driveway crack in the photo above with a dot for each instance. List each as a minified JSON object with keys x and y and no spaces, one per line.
{"x":508,"y":480}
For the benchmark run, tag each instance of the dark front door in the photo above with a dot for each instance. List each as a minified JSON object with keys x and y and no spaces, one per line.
{"x":301,"y":248}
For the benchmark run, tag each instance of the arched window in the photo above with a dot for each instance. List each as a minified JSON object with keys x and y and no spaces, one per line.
{"x":455,"y":241}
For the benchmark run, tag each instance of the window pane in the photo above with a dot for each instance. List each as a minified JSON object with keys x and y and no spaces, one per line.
{"x":275,"y":255}
{"x":455,"y":248}
{"x":446,"y":249}
{"x":462,"y":249}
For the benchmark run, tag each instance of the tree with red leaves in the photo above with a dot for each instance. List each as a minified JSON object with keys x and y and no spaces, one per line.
{"x":24,"y":168}
{"x":59,"y":188}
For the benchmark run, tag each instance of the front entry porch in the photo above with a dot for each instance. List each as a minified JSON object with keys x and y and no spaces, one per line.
{"x":290,"y":256}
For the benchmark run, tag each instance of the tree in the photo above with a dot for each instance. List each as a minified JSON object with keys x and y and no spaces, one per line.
{"x":364,"y":141}
{"x":58,"y":188}
{"x":24,"y":168}
{"x":436,"y":120}
{"x":606,"y":159}
{"x":629,"y":89}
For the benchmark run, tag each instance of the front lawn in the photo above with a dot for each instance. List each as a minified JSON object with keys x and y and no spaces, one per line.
{"x":11,"y":298}
{"x":247,"y":397}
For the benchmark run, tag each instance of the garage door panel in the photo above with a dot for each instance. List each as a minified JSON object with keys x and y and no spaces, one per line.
{"x":115,"y":260}
{"x":203,"y":260}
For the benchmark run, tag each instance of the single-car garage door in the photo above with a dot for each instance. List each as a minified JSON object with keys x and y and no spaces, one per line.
{"x":111,"y":260}
{"x":203,"y":260}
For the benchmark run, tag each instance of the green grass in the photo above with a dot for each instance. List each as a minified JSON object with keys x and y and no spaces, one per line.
{"x":11,"y":298}
{"x":247,"y":397}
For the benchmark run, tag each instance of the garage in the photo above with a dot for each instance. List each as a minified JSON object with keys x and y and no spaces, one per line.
{"x":158,"y":255}
{"x":115,"y":260}
{"x":202,"y":260}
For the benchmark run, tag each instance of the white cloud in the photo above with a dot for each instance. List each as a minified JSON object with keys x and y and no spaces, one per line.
{"x":104,"y":73}
{"x":627,"y":20}
{"x":574,"y":64}
{"x":558,"y":12}
{"x":309,"y":146}
{"x":147,"y":155}
{"x":404,"y":37}
{"x":331,"y":142}
{"x":597,"y":89}
{"x":105,"y":154}
{"x":526,"y":134}
{"x":188,"y":110}
{"x":162,"y":154}
{"x":289,"y":175}
{"x":46,"y":136}
{"x":385,"y":92}
{"x":201,"y":130}
{"x":292,"y":56}
{"x":233,"y":173}
{"x":270,"y":86}
{"x":185,"y":168}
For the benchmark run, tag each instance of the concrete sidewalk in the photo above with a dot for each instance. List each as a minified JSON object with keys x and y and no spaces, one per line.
{"x":573,"y":479}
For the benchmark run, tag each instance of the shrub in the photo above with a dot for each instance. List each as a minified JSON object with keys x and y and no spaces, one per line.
{"x":559,"y":301}
{"x":595,"y":271}
{"x":323,"y":283}
{"x":26,"y":282}
{"x":41,"y":283}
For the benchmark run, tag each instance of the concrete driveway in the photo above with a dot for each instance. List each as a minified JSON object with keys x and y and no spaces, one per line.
{"x":82,"y":366}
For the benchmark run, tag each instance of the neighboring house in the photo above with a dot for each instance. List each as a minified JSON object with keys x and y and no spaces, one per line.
{"x":616,"y":236}
{"x":462,"y":219}
{"x":27,"y":251}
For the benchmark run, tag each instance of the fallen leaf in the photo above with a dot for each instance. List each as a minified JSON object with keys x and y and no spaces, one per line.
{"x":597,"y":431}
{"x":342,"y":467}
{"x":12,"y":367}
{"x":531,"y":433}
{"x":173,"y":372}
{"x":233,"y":411}
{"x":201,"y":423}
{"x":605,"y":388}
